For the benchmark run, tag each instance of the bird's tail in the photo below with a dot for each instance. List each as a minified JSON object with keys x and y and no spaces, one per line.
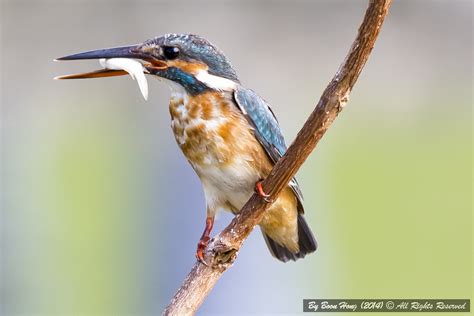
{"x":306,"y":242}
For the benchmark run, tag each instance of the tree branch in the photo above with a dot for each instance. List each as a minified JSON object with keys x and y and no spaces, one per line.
{"x":222,"y":251}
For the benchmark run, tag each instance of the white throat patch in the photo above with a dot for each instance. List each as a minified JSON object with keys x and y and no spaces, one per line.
{"x":215,"y":82}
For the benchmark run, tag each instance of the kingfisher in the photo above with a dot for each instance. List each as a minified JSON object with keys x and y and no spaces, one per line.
{"x":228,"y":133}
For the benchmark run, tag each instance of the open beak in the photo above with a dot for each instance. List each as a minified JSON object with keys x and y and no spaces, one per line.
{"x":94,"y":74}
{"x":126,"y":52}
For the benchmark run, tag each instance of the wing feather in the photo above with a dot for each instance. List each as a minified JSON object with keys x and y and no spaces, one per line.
{"x":267,"y":130}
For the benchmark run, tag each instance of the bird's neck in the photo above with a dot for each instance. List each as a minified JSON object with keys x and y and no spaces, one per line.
{"x":196,"y":80}
{"x":215,"y":82}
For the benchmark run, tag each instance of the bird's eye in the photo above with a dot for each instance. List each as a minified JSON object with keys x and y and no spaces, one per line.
{"x":170,"y":52}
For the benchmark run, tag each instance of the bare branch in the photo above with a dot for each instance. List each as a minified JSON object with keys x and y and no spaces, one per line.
{"x":222,"y":251}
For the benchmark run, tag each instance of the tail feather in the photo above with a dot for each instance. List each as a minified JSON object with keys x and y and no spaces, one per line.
{"x":306,"y":241}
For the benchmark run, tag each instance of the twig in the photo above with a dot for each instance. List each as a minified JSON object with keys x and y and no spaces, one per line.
{"x":222,"y":251}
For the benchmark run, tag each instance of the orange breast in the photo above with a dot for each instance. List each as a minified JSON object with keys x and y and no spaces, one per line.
{"x":211,"y":130}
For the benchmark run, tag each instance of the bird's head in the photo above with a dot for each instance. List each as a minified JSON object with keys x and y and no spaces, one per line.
{"x":186,"y":59}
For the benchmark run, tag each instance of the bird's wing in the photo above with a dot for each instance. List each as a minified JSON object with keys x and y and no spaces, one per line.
{"x":267,"y":131}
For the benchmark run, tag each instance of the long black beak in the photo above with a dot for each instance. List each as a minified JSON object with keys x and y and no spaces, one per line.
{"x":133,"y":51}
{"x":115,"y":52}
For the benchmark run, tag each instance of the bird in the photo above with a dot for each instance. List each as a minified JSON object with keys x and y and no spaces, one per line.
{"x":227,"y":132}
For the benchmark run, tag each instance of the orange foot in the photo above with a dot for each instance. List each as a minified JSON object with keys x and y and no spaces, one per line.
{"x":202,"y":244}
{"x":204,"y":241}
{"x":261,"y":193}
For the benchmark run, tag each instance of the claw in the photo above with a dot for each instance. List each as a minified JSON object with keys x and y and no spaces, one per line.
{"x":202,"y":244}
{"x":261,"y":192}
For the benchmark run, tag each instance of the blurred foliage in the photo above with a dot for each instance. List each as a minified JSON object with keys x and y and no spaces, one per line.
{"x":401,"y":206}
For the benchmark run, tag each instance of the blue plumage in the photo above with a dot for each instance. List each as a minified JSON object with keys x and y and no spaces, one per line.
{"x":267,"y":131}
{"x":187,"y":81}
{"x":263,"y":120}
